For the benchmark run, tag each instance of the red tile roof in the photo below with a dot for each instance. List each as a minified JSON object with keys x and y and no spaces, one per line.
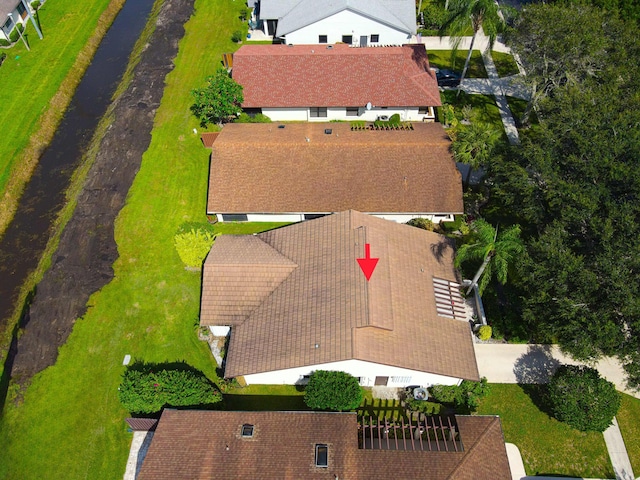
{"x":208,"y":444}
{"x":340,"y":76}
{"x":309,"y":290}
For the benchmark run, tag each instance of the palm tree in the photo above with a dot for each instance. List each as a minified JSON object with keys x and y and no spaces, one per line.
{"x":478,"y":14}
{"x":496,"y":250}
{"x":474,"y":145}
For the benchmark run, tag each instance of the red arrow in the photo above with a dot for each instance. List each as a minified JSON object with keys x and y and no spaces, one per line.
{"x":367,"y":264}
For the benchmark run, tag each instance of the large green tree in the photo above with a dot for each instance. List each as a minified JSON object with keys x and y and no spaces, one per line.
{"x":497,"y":249}
{"x":330,"y":390}
{"x":474,"y":144}
{"x":219,"y":101}
{"x":474,"y":14}
{"x":574,"y":186}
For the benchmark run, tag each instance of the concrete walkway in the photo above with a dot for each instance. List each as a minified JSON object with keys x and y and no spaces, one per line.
{"x":509,"y":363}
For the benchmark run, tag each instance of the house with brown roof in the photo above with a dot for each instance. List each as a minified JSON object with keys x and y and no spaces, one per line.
{"x":190,"y":444}
{"x":296,"y":300}
{"x":320,"y":83}
{"x":293,"y":172}
{"x":354,"y":22}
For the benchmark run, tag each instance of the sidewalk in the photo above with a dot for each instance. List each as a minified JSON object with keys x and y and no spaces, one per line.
{"x":510,"y":363}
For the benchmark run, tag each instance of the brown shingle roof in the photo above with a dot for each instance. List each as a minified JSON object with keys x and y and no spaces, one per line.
{"x":208,"y":444}
{"x":340,"y":76}
{"x":260,"y":168}
{"x":326,"y":299}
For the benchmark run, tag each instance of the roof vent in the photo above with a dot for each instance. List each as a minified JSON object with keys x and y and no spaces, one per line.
{"x":247,"y":430}
{"x":281,"y":126}
{"x":328,"y":131}
{"x":289,"y":44}
{"x":329,"y":47}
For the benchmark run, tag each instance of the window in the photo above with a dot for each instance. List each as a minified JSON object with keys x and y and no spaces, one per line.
{"x":375,"y":38}
{"x":317,"y":112}
{"x":348,"y":39}
{"x":21,"y":10}
{"x":401,"y":380}
{"x":352,"y":111}
{"x":247,"y":430}
{"x":7,"y":24}
{"x":423,"y":110}
{"x":322,"y":39}
{"x":322,"y":455}
{"x":234,"y":217}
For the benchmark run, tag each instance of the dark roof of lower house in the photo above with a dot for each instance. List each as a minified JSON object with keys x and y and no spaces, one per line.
{"x":192,"y":444}
{"x":262,"y":168}
{"x":302,"y":76}
{"x":296,"y":297}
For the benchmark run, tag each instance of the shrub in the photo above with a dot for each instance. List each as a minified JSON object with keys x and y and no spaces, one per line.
{"x":236,"y":37}
{"x":465,"y":397}
{"x":4,"y":43}
{"x":36,"y":4}
{"x":395,"y":119}
{"x":580,"y":397}
{"x":147,"y":389}
{"x":219,"y":100}
{"x":423,"y":223}
{"x":426,"y":407}
{"x":484,"y":332}
{"x":2,"y":57}
{"x":328,"y":390}
{"x":257,"y":118}
{"x":193,"y":246}
{"x":245,"y":13}
{"x":15,"y":33}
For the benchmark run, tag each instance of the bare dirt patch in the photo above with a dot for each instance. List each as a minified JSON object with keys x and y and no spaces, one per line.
{"x":83,"y":261}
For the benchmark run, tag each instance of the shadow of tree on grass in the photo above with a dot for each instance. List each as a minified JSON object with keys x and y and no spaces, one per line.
{"x":533,"y":370}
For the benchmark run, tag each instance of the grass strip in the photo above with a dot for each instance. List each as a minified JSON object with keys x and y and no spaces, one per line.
{"x":629,"y":421}
{"x":548,"y":447}
{"x":505,"y":64}
{"x":444,"y":59}
{"x":36,"y":87}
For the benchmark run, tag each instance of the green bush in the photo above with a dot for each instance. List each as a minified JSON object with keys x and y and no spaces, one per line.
{"x":245,"y":13}
{"x":465,"y":397}
{"x":193,"y":246}
{"x":4,"y":43}
{"x":484,"y":332}
{"x":395,"y":119}
{"x":236,"y":37}
{"x":36,"y":4}
{"x":2,"y":57}
{"x":148,"y":389}
{"x":15,"y":33}
{"x":257,"y":118}
{"x":328,"y":390}
{"x":426,"y":407}
{"x":423,"y":223}
{"x":580,"y":397}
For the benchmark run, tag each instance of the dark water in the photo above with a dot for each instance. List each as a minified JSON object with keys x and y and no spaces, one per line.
{"x":27,"y":235}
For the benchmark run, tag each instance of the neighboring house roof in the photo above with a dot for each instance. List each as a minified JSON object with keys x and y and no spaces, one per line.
{"x":287,"y":290}
{"x":262,"y":168}
{"x":292,"y":15}
{"x":302,"y":76}
{"x":7,"y":6}
{"x":208,"y":444}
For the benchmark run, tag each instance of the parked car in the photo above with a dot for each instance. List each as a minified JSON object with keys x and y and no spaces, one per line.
{"x":447,"y":78}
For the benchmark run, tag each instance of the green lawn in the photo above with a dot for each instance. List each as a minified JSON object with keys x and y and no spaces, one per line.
{"x":265,"y":397}
{"x":547,"y":446}
{"x":505,"y":64}
{"x":629,"y":422}
{"x":483,"y":106}
{"x":29,"y":80}
{"x":444,"y":59}
{"x":68,"y":422}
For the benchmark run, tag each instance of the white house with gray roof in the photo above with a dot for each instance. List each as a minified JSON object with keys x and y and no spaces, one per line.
{"x":354,"y":22}
{"x":13,"y":12}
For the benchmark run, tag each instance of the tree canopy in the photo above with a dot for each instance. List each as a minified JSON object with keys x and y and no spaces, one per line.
{"x":219,"y":101}
{"x":574,"y":186}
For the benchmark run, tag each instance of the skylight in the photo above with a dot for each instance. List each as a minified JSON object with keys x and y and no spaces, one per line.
{"x":322,"y":455}
{"x":247,"y":430}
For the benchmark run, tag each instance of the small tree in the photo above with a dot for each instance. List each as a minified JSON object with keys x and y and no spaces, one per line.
{"x":149,"y":388}
{"x":580,"y":397}
{"x":193,"y":246}
{"x":328,"y":390}
{"x":465,"y":397}
{"x":219,"y":101}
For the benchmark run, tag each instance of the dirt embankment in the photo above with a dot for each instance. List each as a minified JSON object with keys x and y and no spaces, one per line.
{"x":83,"y":261}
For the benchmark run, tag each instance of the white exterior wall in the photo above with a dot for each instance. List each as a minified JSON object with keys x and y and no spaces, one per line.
{"x":299,"y":217}
{"x":366,"y":371}
{"x":347,"y":23}
{"x":340,"y":113}
{"x":219,"y":331}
